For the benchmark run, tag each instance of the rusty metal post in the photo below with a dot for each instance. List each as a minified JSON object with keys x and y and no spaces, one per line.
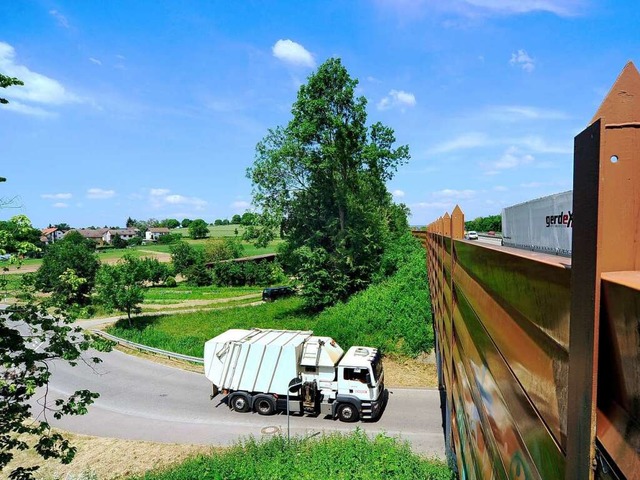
{"x":605,"y":238}
{"x":457,"y":223}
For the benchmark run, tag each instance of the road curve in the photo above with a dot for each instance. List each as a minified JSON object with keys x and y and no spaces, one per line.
{"x":143,"y":400}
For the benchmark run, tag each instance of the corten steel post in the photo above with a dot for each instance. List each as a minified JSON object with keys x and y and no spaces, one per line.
{"x":606,"y":185}
{"x":456,"y":232}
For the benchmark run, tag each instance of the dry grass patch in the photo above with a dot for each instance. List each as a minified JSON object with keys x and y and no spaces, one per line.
{"x":109,"y":458}
{"x":409,"y":373}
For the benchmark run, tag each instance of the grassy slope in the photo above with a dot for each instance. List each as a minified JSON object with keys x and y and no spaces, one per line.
{"x":354,"y":456}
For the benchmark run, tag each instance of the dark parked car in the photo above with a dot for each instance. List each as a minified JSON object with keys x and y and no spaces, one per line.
{"x":273,"y":293}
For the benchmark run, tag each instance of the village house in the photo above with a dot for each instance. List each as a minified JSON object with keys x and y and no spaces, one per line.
{"x":125,"y":233}
{"x":105,"y":236}
{"x":153,"y":234}
{"x":51,"y":235}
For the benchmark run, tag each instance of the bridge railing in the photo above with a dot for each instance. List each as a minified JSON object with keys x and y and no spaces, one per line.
{"x":539,"y":354}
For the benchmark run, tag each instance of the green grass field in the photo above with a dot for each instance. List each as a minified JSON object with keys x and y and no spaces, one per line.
{"x":186,"y":333}
{"x":215,"y":230}
{"x":352,"y":456}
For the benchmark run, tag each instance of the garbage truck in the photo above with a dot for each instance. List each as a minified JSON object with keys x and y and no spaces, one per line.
{"x":259,"y":369}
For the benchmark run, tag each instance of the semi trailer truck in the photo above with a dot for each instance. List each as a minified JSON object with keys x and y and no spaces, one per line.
{"x":544,"y":224}
{"x":258,"y":369}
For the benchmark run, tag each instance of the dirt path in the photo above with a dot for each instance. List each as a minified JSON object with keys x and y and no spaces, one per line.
{"x":101,"y":323}
{"x":197,"y":303}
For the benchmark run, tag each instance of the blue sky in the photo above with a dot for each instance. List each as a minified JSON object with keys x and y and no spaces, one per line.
{"x":152,"y":109}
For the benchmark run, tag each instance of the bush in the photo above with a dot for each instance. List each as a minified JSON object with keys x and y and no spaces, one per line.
{"x":393,"y":315}
{"x":169,"y":238}
{"x":184,"y":256}
{"x":218,"y":249}
{"x":119,"y":242}
{"x":198,"y":275}
{"x":353,"y":456}
{"x":134,"y":242}
{"x":238,"y":274}
{"x":170,"y":282}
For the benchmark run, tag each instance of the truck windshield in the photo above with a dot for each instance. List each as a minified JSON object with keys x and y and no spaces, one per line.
{"x":376,"y":366}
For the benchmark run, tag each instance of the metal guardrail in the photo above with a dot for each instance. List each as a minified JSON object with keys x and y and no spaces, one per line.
{"x":144,"y":348}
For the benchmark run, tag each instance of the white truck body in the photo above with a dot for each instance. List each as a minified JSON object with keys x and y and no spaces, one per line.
{"x":255,"y":368}
{"x":544,"y":224}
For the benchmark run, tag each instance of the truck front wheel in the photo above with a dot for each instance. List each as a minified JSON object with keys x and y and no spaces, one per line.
{"x":348,"y":413}
{"x":239,"y":403}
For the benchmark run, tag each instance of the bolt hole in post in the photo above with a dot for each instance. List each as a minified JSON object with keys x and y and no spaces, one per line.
{"x":614,"y":159}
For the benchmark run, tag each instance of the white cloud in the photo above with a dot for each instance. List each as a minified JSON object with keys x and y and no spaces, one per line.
{"x":16,"y":106}
{"x":432,"y":205}
{"x":240,"y":206}
{"x":416,"y":9}
{"x":60,"y":205}
{"x":454,"y":194}
{"x":100,"y":194}
{"x":521,"y":58}
{"x":512,"y":113}
{"x":511,"y":158}
{"x":162,"y":197}
{"x":176,"y":199}
{"x":500,"y":188}
{"x":539,"y":145}
{"x":95,"y":60}
{"x":463,"y":142}
{"x":293,"y":53}
{"x":57,"y":196}
{"x":397,"y":98}
{"x":398,"y":193}
{"x":531,"y":143}
{"x":37,"y":88}
{"x":559,"y":7}
{"x":62,"y":20}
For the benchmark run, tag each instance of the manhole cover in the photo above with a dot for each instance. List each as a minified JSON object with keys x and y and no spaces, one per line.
{"x":271,"y":430}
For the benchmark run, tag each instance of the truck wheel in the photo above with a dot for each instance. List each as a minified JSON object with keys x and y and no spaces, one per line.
{"x":239,"y":403}
{"x":348,"y":413}
{"x":264,"y":405}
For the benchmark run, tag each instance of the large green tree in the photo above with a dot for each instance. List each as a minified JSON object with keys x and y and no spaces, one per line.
{"x":321,"y":181}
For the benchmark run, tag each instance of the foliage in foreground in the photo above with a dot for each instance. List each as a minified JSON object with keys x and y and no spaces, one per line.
{"x":34,"y":334}
{"x":335,"y":456}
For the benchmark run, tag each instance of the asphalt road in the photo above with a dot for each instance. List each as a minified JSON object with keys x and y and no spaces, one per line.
{"x":143,"y":400}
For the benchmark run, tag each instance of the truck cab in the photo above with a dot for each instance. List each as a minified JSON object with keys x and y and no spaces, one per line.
{"x":360,"y":382}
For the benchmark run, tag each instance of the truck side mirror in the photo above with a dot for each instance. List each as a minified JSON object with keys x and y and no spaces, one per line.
{"x":368,"y":379}
{"x":294,"y":385}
